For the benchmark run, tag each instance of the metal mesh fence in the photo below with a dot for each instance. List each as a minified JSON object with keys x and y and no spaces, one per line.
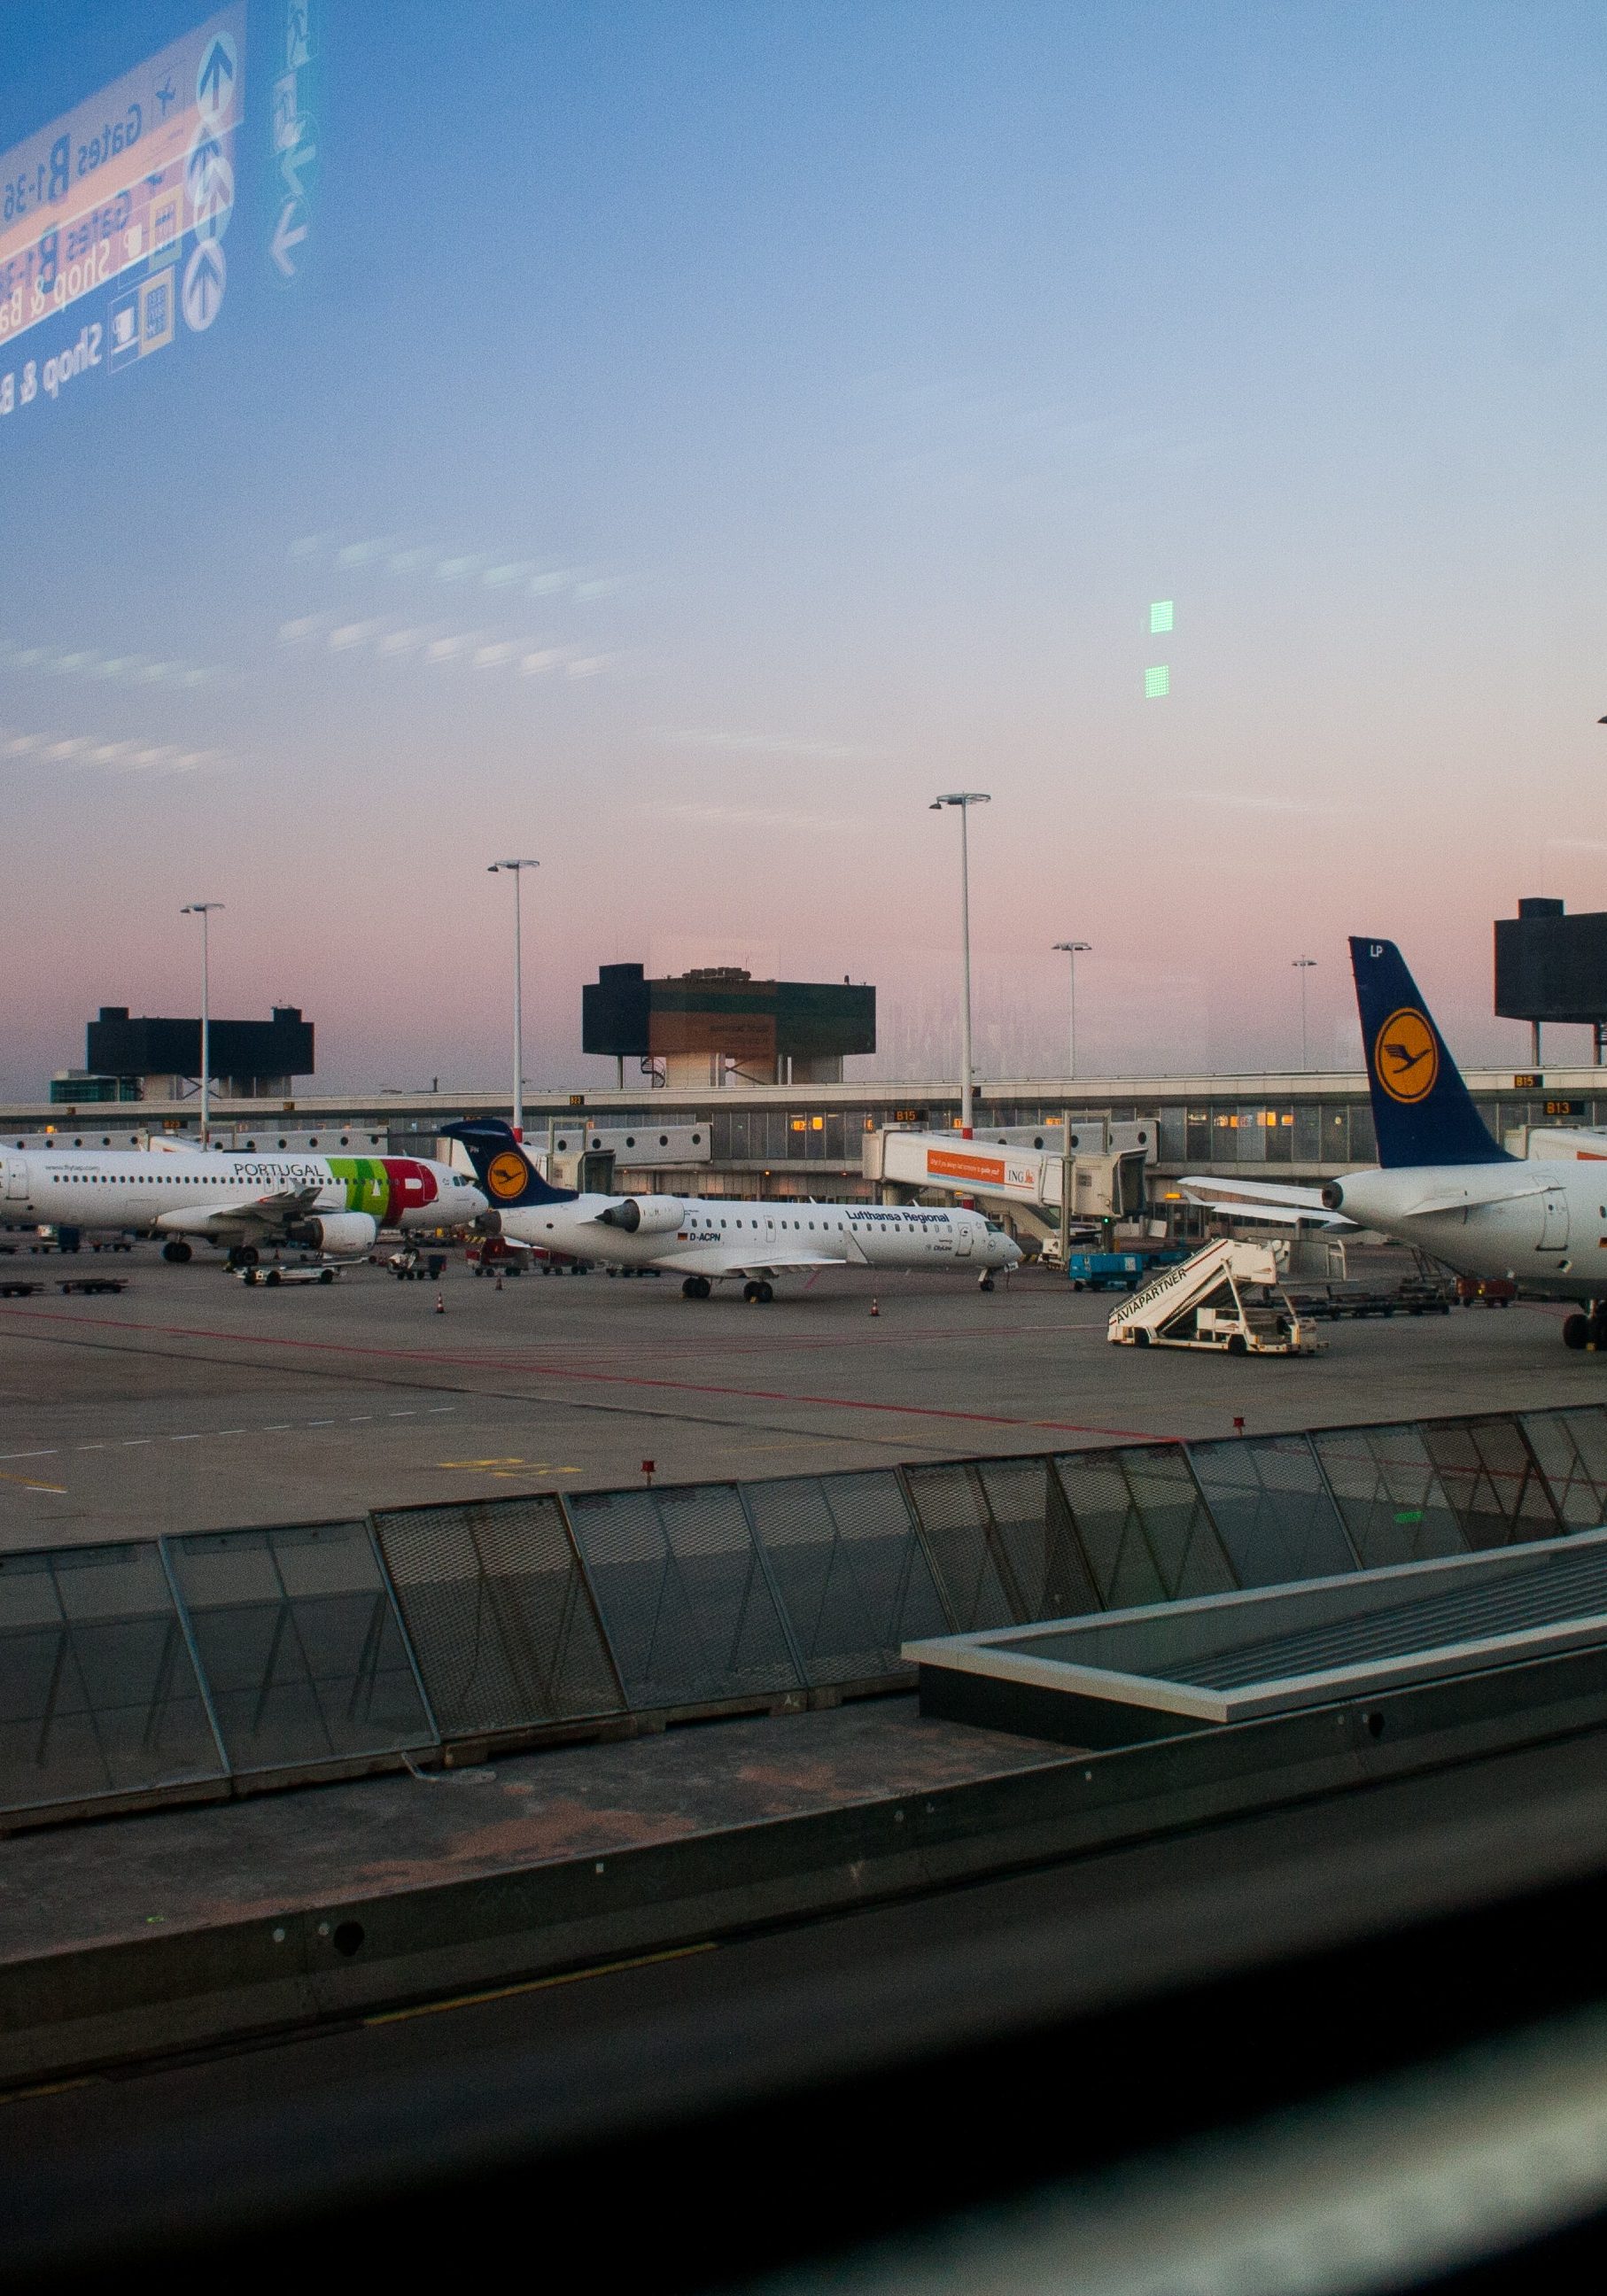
{"x":1143,"y":1527}
{"x":1571,"y":1450}
{"x":1388,"y":1494}
{"x":1049,"y":1577}
{"x":849,"y":1569}
{"x":98,"y":1693}
{"x":967,"y":1563}
{"x":684,"y":1595}
{"x":300,"y":1644}
{"x":1272,"y":1507}
{"x":499,"y":1613}
{"x":1491,"y":1479}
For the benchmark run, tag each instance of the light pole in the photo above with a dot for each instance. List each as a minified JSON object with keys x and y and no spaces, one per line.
{"x":965,"y":799}
{"x":1303,"y":965}
{"x":1072,"y":949}
{"x":493,"y":870}
{"x":203,"y":910}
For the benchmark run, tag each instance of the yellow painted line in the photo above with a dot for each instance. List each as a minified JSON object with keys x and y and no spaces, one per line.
{"x":27,"y":1485}
{"x":45,"y":2088}
{"x":542,"y":1984}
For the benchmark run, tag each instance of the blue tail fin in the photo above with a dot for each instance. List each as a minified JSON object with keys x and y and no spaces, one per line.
{"x":500,"y":1166}
{"x":1421,"y":1109}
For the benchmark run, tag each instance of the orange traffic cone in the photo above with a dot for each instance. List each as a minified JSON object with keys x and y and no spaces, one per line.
{"x":440,"y":1304}
{"x":499,"y":1283}
{"x":875,"y":1307}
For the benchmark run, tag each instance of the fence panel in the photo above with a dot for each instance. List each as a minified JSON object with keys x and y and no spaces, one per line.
{"x":1495,"y":1490}
{"x":499,"y":1613}
{"x":1032,"y":1523}
{"x":1272,"y":1507}
{"x":972,"y":1576}
{"x":1389,"y":1495}
{"x":850,"y":1569}
{"x":683,"y":1594}
{"x":1145,"y":1528}
{"x":300,"y":1644}
{"x":1570,"y":1447}
{"x":98,"y":1693}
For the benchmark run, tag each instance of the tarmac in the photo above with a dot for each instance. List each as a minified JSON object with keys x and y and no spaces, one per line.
{"x":189,"y":1401}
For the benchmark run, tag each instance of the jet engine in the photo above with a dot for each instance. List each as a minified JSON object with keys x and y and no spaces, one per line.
{"x":645,"y":1215}
{"x":343,"y":1233}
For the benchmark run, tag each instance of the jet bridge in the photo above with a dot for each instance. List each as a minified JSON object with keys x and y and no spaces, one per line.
{"x":1060,"y":1183}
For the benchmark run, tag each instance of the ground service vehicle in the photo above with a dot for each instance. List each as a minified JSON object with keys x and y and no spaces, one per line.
{"x":1226,"y":1297}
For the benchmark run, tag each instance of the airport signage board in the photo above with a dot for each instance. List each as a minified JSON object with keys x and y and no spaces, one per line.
{"x":983,"y":1171}
{"x":113,"y":219}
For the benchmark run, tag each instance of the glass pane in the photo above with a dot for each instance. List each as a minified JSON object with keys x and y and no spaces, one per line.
{"x":97,"y":1692}
{"x":956,"y":1527}
{"x":302,"y":1649}
{"x":1497,"y":1491}
{"x":1033,"y":1526}
{"x":1571,"y":1448}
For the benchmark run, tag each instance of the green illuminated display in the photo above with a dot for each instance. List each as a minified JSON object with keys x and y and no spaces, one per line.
{"x":1157,"y":682}
{"x":1160,"y":617}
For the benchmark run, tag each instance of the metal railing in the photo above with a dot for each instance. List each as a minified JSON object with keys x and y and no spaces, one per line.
{"x":214,"y":1660}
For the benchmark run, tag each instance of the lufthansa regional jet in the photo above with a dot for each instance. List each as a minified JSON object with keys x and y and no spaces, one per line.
{"x":706,"y":1239}
{"x":1441,"y":1182}
{"x":334,"y":1204}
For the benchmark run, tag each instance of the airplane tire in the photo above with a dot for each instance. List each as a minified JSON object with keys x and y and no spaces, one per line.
{"x":1576,"y":1332}
{"x":704,"y":1287}
{"x":689,"y":1289}
{"x":986,"y":1285}
{"x":176,"y":1252}
{"x":247,"y":1255}
{"x":764,"y":1295}
{"x":751,"y":1293}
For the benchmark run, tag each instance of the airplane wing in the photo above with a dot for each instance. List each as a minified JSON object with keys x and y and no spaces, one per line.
{"x":1272,"y":1202}
{"x":264,"y":1212}
{"x":711,"y":1260}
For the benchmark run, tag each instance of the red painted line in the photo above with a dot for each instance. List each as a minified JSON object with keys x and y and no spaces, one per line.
{"x":565,"y":1371}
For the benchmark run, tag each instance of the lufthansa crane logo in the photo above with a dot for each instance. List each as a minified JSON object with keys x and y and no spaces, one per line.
{"x":1405,"y":1056}
{"x":506,"y":1174}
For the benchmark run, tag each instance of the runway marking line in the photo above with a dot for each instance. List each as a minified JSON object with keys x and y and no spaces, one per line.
{"x":593,"y":1378}
{"x":24,"y":1484}
{"x":542,"y":1984}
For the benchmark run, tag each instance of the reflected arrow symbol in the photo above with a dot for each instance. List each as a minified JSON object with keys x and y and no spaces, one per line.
{"x":214,"y":72}
{"x":292,"y":162}
{"x":286,"y":236}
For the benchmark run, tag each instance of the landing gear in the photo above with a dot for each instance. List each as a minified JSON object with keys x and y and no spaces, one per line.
{"x":1590,"y":1331}
{"x":758,"y":1295}
{"x":175,"y":1250}
{"x":984,"y":1284}
{"x":696,"y":1287}
{"x":243,"y":1255}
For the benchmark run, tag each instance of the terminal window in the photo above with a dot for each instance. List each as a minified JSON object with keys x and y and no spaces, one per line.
{"x":1157,"y":682}
{"x":1160,"y":617}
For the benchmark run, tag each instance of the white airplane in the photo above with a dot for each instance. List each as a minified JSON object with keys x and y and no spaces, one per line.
{"x":1441,"y":1183}
{"x":334,"y":1204}
{"x":707,"y":1239}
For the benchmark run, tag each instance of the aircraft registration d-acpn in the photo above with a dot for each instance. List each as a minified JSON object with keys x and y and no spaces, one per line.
{"x":705,"y":1240}
{"x":1441,"y":1182}
{"x":331,"y":1203}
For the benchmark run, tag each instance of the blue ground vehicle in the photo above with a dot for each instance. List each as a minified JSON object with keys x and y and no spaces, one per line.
{"x":1116,"y":1271}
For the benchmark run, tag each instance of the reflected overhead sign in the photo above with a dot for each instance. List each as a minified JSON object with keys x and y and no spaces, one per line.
{"x":112,"y":219}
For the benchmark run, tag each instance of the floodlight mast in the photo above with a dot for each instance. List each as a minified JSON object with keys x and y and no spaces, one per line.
{"x":203,"y":910}
{"x":1303,"y":965}
{"x":1072,"y":949}
{"x":494,"y":868}
{"x":965,"y":799}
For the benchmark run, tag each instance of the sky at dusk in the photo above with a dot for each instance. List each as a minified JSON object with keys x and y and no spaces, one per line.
{"x":693,"y":435}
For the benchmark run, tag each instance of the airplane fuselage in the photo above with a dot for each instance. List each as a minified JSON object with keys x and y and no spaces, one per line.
{"x":154,"y":1192}
{"x":764,"y":1235}
{"x":1543,"y":1223}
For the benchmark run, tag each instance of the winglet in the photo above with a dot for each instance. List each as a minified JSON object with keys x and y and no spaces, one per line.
{"x":1422,"y":1111}
{"x":506,"y":1174}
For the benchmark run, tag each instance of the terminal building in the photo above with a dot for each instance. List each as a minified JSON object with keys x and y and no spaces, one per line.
{"x":160,"y":1060}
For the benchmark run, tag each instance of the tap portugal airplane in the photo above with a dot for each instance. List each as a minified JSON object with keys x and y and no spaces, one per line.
{"x":1441,"y":1183}
{"x":335,"y":1204}
{"x":706,"y":1239}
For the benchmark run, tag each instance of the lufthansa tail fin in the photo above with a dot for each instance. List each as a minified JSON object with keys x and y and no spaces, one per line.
{"x":1421,"y":1112}
{"x":506,"y":1174}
